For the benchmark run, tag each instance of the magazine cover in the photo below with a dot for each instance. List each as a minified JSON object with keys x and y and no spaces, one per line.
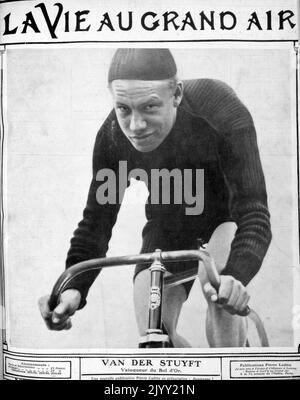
{"x":149,"y":190}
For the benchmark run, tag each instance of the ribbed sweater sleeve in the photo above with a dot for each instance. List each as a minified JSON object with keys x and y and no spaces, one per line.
{"x":240,"y":163}
{"x":91,"y":238}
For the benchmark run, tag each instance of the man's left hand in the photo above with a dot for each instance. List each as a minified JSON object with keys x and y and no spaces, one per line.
{"x":232,"y":294}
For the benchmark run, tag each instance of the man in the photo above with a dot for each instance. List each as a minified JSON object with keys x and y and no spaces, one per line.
{"x":160,"y":123}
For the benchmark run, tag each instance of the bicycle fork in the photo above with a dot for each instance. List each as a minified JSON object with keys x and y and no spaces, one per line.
{"x":155,"y":337}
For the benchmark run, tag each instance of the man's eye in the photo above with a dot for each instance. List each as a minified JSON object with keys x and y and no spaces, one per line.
{"x":123,"y":109}
{"x":151,"y":107}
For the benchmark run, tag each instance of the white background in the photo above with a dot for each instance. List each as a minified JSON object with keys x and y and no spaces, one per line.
{"x":56,"y":101}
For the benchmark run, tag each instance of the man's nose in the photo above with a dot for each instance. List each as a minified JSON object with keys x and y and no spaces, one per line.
{"x":137,"y":123}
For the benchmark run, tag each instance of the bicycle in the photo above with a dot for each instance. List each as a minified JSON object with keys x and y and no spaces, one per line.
{"x":156,"y":335}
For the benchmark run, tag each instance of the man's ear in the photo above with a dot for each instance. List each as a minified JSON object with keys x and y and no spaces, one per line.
{"x":178,"y":94}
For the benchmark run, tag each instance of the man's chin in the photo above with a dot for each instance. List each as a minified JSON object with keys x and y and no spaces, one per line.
{"x":146,"y":148}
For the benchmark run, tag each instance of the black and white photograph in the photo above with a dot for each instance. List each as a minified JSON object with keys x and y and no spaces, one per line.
{"x":149,"y":188}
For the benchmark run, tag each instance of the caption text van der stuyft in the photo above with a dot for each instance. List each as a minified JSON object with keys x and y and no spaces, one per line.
{"x":51,"y":19}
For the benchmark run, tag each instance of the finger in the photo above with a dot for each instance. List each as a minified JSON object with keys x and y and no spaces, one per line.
{"x":242,"y":306}
{"x":68,"y":324}
{"x":60,"y":313}
{"x":61,"y":326}
{"x":52,"y":326}
{"x":202,"y":274}
{"x":235,"y":296}
{"x":225,"y":292}
{"x":72,"y":298}
{"x":48,"y":323}
{"x":43,"y":304}
{"x":241,"y":299}
{"x":210,"y":292}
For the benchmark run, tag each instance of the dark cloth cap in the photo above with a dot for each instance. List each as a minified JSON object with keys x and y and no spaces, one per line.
{"x":142,"y":64}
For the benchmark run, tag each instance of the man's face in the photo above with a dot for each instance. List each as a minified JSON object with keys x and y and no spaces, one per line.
{"x":146,"y":111}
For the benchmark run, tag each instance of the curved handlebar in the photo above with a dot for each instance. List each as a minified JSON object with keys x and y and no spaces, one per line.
{"x":106,"y":262}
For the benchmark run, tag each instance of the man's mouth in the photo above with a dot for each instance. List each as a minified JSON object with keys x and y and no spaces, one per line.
{"x":141,"y":137}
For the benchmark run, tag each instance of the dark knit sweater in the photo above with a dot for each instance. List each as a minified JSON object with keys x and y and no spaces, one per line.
{"x":213,"y":131}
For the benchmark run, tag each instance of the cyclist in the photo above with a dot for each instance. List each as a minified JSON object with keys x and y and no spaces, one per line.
{"x":160,"y":123}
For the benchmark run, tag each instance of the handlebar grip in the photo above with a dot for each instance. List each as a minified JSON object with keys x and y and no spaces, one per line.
{"x":59,"y":285}
{"x":53,"y":301}
{"x":245,"y":312}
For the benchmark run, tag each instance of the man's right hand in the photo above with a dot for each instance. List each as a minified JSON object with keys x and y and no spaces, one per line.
{"x":59,"y":318}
